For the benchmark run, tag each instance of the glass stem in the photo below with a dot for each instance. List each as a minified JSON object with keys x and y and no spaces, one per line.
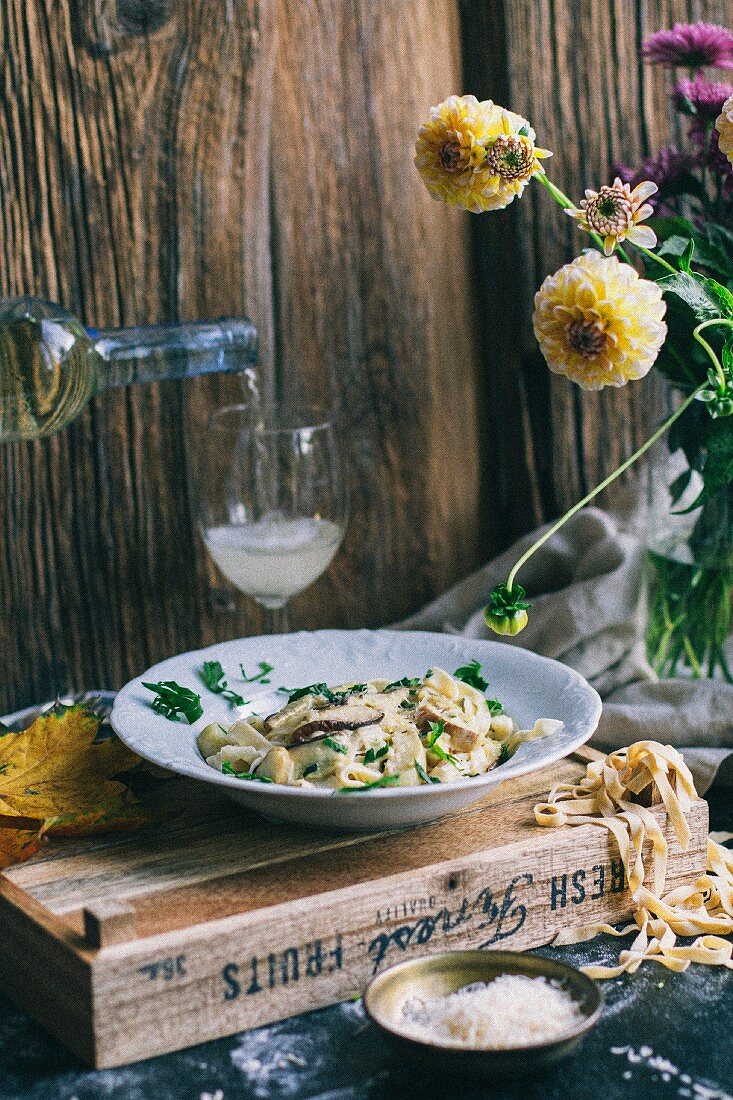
{"x":276,"y":620}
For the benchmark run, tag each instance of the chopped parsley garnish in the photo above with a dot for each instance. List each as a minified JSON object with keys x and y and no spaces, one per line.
{"x":428,"y":674}
{"x":471,"y":675}
{"x":375,"y":754}
{"x":385,"y":781}
{"x":335,"y":698}
{"x":405,"y":682}
{"x":337,"y":746}
{"x":406,"y":705}
{"x":436,"y":729}
{"x":259,"y":677}
{"x":309,"y":770}
{"x":213,"y":676}
{"x":312,"y":689}
{"x":495,"y":707}
{"x":173,"y":701}
{"x":227,"y":769}
{"x":424,"y":775}
{"x":503,"y":755}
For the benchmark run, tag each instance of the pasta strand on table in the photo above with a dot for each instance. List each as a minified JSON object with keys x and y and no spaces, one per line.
{"x":604,"y":797}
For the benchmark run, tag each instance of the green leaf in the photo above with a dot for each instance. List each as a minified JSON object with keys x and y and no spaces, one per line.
{"x":173,"y":700}
{"x":503,"y":756}
{"x":311,"y":689}
{"x":212,"y":674}
{"x":405,"y":682}
{"x":227,"y":769}
{"x":260,"y":676}
{"x":679,"y":485}
{"x":375,"y":754}
{"x":471,"y":674}
{"x":337,"y":746}
{"x":722,"y":295}
{"x":678,"y":248}
{"x":436,"y":729}
{"x":694,"y":291}
{"x":495,"y":707}
{"x":385,"y":781}
{"x":424,"y":775}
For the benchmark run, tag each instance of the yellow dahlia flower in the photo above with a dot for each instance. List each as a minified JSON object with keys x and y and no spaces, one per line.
{"x":724,"y":126}
{"x":598,"y":323}
{"x":478,"y":156}
{"x":614,"y":214}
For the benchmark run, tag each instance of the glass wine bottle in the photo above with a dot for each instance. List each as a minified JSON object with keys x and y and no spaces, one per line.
{"x":51,"y":365}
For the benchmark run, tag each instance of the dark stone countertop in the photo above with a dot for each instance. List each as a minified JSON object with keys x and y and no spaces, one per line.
{"x":662,"y":1035}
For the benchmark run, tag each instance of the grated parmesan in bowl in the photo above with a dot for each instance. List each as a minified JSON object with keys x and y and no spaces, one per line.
{"x":511,"y":1011}
{"x":474,"y":1013}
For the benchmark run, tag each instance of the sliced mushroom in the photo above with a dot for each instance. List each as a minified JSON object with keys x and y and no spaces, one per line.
{"x":333,"y":719}
{"x":463,"y":739}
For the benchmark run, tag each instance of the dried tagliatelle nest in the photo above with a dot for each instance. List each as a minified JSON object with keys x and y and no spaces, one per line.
{"x":610,"y":795}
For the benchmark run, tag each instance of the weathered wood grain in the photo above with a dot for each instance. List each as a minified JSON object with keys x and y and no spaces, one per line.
{"x":376,"y":310}
{"x":133,"y":187}
{"x":181,"y":159}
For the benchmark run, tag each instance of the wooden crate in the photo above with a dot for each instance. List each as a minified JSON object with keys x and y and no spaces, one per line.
{"x":127,"y":947}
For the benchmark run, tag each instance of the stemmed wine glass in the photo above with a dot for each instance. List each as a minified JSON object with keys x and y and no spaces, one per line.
{"x":273,"y":500}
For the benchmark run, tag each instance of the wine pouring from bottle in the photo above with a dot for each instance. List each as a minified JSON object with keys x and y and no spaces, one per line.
{"x":51,"y":365}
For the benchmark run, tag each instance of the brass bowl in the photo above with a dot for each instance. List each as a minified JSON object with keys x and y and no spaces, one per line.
{"x":439,"y":975}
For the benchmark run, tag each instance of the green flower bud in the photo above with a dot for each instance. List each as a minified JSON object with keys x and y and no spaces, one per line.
{"x":506,"y":624}
{"x":506,"y":612}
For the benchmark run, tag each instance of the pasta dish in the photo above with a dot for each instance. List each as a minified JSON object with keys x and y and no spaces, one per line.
{"x":357,"y":736}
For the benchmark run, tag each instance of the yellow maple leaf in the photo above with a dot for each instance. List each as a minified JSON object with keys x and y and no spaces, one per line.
{"x":55,"y":779}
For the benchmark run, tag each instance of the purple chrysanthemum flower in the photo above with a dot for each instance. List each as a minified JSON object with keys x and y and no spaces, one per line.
{"x":711,"y":154}
{"x":701,"y":97}
{"x":691,"y":45}
{"x":664,"y":168}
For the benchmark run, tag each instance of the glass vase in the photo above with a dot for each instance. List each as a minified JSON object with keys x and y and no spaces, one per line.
{"x":689,"y":574}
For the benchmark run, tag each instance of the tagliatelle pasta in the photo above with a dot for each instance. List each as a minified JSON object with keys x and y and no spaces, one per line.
{"x":606,"y":797}
{"x":435,"y":728}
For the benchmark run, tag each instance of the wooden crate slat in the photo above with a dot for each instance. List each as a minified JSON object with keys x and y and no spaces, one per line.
{"x":192,"y":931}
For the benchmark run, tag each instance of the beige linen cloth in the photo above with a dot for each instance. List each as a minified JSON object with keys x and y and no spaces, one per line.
{"x":586,"y":593}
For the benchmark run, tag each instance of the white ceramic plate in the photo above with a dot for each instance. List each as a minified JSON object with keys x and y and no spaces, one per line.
{"x":529,"y":686}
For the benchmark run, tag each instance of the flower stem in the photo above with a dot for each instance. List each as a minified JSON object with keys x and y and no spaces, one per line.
{"x":603,"y":485}
{"x":562,"y":200}
{"x":653,"y":256}
{"x":716,"y":362}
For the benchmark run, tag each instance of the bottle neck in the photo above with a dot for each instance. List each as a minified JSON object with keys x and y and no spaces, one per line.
{"x":150,"y":353}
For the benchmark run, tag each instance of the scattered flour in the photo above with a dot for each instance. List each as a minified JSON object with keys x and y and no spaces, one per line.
{"x":664,"y":1070}
{"x":277,"y":1062}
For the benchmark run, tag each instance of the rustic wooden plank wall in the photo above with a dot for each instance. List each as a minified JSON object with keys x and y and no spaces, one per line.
{"x":181,"y":159}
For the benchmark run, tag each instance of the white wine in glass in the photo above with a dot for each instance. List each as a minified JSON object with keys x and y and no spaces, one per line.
{"x":273,"y":500}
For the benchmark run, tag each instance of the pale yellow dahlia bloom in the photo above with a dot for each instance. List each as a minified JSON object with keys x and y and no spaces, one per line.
{"x":614,"y":214}
{"x":598,"y":323}
{"x":478,"y":156}
{"x":724,"y":126}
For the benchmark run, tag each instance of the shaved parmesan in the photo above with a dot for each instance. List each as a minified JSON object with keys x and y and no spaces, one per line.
{"x":513,"y":1010}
